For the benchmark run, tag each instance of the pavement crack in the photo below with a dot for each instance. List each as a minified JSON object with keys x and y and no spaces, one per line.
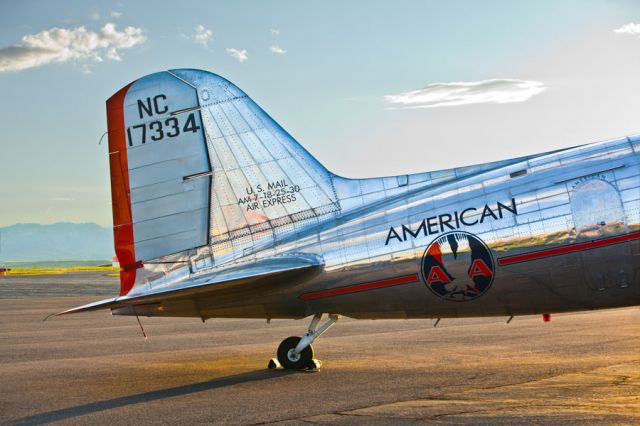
{"x":620,"y":379}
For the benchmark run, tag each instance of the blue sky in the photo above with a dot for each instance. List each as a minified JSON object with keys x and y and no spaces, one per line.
{"x":347,"y":80}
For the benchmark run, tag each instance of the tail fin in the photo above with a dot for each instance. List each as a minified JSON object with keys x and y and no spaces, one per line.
{"x":195,"y":162}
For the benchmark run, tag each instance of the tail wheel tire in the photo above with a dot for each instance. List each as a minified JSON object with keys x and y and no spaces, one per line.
{"x":289,"y":359}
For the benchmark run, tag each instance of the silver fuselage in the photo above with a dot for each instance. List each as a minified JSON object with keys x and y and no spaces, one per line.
{"x":562,"y":229}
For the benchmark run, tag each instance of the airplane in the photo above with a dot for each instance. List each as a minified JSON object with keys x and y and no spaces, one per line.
{"x":219,"y":213}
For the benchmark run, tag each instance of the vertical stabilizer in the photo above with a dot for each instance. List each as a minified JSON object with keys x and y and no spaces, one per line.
{"x":195,"y":162}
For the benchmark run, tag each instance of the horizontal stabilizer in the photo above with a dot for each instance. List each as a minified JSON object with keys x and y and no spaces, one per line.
{"x":261,"y":271}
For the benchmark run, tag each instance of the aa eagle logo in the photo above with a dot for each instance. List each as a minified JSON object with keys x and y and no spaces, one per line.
{"x":458,"y":266}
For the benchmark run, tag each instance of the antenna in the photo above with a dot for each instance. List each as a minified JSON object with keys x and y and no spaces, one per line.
{"x":101,"y":137}
{"x":140,"y":324}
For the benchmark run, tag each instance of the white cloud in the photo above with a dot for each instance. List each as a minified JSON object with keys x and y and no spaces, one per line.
{"x":275,"y":31}
{"x":202,"y":35}
{"x":62,"y":45}
{"x":277,"y":49}
{"x":115,"y":14}
{"x":240,"y":55}
{"x":630,"y":28}
{"x":500,"y":91}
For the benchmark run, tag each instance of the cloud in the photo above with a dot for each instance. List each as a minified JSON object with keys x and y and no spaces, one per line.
{"x":630,"y":28}
{"x":275,"y":32}
{"x":500,"y":91}
{"x":277,"y":49}
{"x":115,"y":14}
{"x":202,"y":35}
{"x":63,"y":45}
{"x":240,"y":55}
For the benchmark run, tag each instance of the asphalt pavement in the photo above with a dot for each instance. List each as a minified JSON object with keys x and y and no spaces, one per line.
{"x":93,"y":368}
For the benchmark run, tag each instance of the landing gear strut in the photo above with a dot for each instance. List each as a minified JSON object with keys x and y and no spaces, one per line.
{"x":296,"y":353}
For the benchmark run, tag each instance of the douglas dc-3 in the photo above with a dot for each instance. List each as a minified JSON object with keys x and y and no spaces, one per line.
{"x":219,"y":212}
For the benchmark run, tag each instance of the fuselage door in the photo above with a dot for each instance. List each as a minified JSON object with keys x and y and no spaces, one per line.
{"x":598,"y":214}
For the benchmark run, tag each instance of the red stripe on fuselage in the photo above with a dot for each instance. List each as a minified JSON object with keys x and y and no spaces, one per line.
{"x":541,"y":254}
{"x":120,"y":191}
{"x":361,"y":287}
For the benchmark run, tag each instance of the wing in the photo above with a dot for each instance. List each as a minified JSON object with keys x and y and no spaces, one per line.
{"x":261,"y":272}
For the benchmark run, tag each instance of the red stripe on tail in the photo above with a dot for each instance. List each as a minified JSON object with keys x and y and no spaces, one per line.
{"x":120,"y":191}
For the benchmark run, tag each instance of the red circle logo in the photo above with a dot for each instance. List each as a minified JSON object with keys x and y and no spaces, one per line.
{"x":458,"y":266}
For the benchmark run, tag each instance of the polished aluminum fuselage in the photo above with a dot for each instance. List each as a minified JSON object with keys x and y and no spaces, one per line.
{"x":561,"y":228}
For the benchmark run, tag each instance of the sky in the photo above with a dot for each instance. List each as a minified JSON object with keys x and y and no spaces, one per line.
{"x":370,"y":88}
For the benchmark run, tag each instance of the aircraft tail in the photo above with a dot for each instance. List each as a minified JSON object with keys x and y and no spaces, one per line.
{"x":200,"y":174}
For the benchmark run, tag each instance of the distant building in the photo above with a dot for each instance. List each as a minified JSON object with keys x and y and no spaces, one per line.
{"x":114,"y":261}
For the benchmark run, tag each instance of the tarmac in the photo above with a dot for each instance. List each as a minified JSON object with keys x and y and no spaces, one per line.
{"x":92,"y":368}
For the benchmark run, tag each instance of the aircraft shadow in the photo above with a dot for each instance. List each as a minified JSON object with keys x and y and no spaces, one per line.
{"x":123,"y":401}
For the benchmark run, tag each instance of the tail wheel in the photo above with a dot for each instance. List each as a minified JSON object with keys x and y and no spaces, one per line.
{"x":288,"y":357}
